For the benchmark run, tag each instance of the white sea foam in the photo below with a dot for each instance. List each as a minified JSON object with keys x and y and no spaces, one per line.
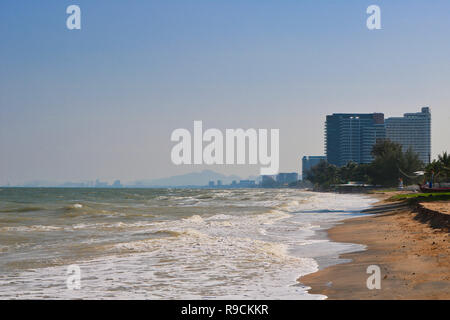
{"x":252,"y":249}
{"x":34,"y":228}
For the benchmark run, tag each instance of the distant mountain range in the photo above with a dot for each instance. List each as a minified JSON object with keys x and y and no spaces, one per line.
{"x":190,"y":179}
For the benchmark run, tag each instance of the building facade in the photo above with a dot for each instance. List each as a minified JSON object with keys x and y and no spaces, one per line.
{"x":413,"y":130}
{"x":349,"y":137}
{"x":268,"y":181}
{"x":247,"y":184}
{"x":286,"y":178}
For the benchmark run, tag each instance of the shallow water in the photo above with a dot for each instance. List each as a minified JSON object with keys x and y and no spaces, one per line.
{"x":167,"y":244}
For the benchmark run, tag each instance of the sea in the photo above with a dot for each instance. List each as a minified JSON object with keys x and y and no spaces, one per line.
{"x":168,"y":243}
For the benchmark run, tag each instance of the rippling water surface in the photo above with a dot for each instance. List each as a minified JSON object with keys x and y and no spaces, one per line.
{"x":167,"y":244}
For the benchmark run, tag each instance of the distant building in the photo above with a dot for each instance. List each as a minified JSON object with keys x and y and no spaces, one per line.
{"x":268,"y":181}
{"x":310,"y":161}
{"x":219,"y":183}
{"x":247,"y":184}
{"x":413,"y":130}
{"x":211,"y":184}
{"x":100,"y":184}
{"x":117,"y":184}
{"x":351,"y":136}
{"x":286,"y":178}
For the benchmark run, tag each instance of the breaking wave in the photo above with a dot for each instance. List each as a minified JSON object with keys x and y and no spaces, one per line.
{"x":172,"y":244}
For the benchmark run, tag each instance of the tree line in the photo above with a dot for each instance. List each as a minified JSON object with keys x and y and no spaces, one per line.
{"x":390,"y":164}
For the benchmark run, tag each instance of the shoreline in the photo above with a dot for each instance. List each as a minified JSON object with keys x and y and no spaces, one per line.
{"x":410,"y":245}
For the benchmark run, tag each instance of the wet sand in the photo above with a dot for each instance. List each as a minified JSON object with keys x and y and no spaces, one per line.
{"x":410,"y":245}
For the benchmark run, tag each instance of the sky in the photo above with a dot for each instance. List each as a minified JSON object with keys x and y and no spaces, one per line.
{"x":102,"y":102}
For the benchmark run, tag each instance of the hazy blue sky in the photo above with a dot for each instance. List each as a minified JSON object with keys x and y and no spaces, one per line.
{"x":102,"y":102}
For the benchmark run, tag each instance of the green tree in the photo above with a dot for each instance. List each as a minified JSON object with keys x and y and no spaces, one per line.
{"x":440,"y":167}
{"x":323,"y":175}
{"x":391,"y":163}
{"x":384,"y":168}
{"x":353,"y":172}
{"x":409,"y":164}
{"x":444,"y":159}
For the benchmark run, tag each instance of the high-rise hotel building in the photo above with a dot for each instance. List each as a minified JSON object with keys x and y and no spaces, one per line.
{"x":413,"y":130}
{"x":351,"y":136}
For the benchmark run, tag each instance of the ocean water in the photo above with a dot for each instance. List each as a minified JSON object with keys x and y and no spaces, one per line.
{"x":168,"y":243}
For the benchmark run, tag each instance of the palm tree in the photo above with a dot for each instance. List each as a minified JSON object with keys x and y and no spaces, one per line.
{"x":444,"y":160}
{"x":440,"y":168}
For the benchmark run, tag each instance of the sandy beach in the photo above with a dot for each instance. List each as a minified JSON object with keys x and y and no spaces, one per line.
{"x":409,"y":244}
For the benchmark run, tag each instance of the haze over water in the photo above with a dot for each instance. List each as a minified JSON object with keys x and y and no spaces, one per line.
{"x":164,"y":243}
